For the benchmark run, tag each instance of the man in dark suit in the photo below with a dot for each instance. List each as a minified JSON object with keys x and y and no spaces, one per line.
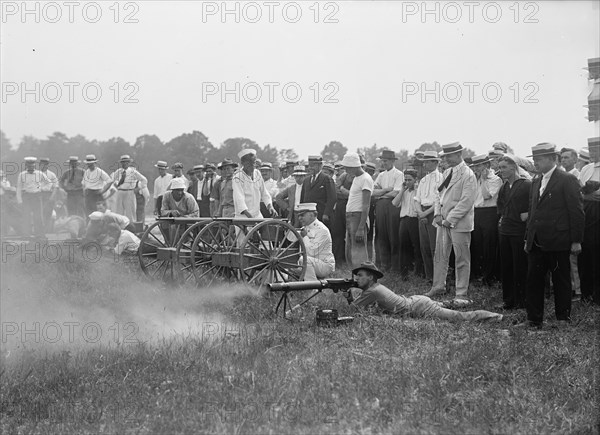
{"x":554,"y":231}
{"x":319,"y":188}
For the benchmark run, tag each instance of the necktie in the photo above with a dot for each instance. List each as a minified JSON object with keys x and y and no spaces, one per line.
{"x":205,"y":189}
{"x":122,"y":180}
{"x":72,"y":177}
{"x":446,"y":182}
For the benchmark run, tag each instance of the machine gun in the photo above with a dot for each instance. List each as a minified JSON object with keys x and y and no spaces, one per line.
{"x":335,"y":284}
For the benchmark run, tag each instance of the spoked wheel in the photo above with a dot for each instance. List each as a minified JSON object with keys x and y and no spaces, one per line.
{"x":183,"y":252}
{"x":157,"y":250}
{"x":211,"y":254}
{"x":272,"y":251}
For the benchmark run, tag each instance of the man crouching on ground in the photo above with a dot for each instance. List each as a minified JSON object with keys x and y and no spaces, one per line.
{"x":370,"y":292}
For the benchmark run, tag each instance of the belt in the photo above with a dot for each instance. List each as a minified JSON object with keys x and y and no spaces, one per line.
{"x":93,"y":190}
{"x":125,"y":190}
{"x":354,"y":212}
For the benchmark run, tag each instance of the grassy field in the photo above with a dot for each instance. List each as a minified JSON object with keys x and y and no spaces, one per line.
{"x":93,"y":348}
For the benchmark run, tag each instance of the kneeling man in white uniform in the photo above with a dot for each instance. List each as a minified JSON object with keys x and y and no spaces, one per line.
{"x":317,"y":239}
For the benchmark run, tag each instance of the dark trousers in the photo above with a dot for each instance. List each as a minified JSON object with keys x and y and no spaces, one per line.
{"x":589,"y":259}
{"x":513,"y":270}
{"x":204,"y":206}
{"x":140,"y":207}
{"x":410,"y":248}
{"x":91,"y":197}
{"x":484,"y":244}
{"x":32,"y":210}
{"x":427,"y":235}
{"x":338,"y":233}
{"x":75,"y":205}
{"x":371,"y":231}
{"x":47,"y":207}
{"x":559,"y":264}
{"x":387,"y":242}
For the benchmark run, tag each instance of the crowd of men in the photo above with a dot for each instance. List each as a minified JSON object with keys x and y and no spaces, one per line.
{"x":492,"y":217}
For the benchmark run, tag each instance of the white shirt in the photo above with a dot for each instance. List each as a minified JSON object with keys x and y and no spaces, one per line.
{"x":95,"y":179}
{"x":271,"y":186}
{"x":590,"y":172}
{"x":545,"y":179}
{"x":132,"y":176}
{"x":427,"y":190}
{"x":574,"y":171}
{"x":4,"y":185}
{"x":391,"y":179}
{"x":127,"y":242}
{"x":407,"y":204}
{"x":30,"y":183}
{"x":160,"y":184}
{"x":355,"y":199}
{"x":318,"y":242}
{"x":297,"y":195}
{"x":51,"y":181}
{"x":119,"y":219}
{"x":248,"y":192}
{"x":493,"y":183}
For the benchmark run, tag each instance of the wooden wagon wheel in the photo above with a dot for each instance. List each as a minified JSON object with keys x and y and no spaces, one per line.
{"x":211,"y":253}
{"x":272,"y":251}
{"x":157,"y":250}
{"x":183,"y":252}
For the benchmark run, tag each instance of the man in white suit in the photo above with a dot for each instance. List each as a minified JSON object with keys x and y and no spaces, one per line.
{"x":454,"y":217}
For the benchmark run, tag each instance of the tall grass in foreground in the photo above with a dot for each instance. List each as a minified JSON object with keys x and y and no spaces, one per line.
{"x":240,"y":369}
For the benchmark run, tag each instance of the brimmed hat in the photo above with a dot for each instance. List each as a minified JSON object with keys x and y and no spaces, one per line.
{"x":388,"y":155}
{"x":543,"y":149}
{"x":500,"y":146}
{"x":593,"y":142}
{"x":370,"y":267}
{"x":304,"y":207}
{"x":328,"y":166}
{"x":245,"y":152}
{"x":90,"y":158}
{"x":266,"y":166}
{"x":584,"y":155}
{"x":210,"y":165}
{"x":96,"y":216}
{"x":30,"y":159}
{"x":494,"y":154}
{"x":338,"y":164}
{"x":291,"y":163}
{"x":351,"y":160}
{"x":197,"y":168}
{"x":430,"y":155}
{"x":177,"y":165}
{"x":479,"y":160}
{"x":125,"y":158}
{"x":451,"y":148}
{"x":73,"y":159}
{"x":227,"y":162}
{"x":421,"y":153}
{"x":315,"y":159}
{"x":161,"y":165}
{"x":45,"y":160}
{"x":411,"y":171}
{"x":177,"y":183}
{"x":299,"y":170}
{"x":371,"y":165}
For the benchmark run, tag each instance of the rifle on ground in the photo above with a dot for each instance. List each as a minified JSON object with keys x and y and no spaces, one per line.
{"x":335,"y":284}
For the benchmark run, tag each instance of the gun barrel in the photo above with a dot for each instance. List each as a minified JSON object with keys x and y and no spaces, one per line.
{"x":297,"y":286}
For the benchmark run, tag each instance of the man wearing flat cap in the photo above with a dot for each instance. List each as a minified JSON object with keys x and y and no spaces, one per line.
{"x":319,"y":188}
{"x":249,"y":188}
{"x":161,"y":184}
{"x":554,"y":231}
{"x":125,"y":180}
{"x":453,"y":215}
{"x":317,"y":240}
{"x":370,"y":292}
{"x":72,"y":183}
{"x":29,"y":196}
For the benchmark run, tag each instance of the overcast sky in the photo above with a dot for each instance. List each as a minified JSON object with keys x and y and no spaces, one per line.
{"x":371,"y":65}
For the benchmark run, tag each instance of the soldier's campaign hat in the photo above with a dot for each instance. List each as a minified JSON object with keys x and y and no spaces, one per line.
{"x":584,"y":155}
{"x":387,"y":155}
{"x":197,"y":168}
{"x":299,"y":170}
{"x":96,"y":216}
{"x":161,"y":165}
{"x":227,"y":162}
{"x":73,"y":159}
{"x":371,"y":166}
{"x":125,"y":158}
{"x":593,"y":142}
{"x":328,"y":166}
{"x":451,"y":148}
{"x":177,"y":183}
{"x":317,"y":159}
{"x":266,"y":166}
{"x":543,"y":149}
{"x":367,"y":265}
{"x":90,"y":158}
{"x":30,"y":159}
{"x":45,"y":160}
{"x":177,"y":165}
{"x":501,"y":146}
{"x":430,"y":155}
{"x":351,"y":160}
{"x":480,"y":159}
{"x":245,"y":152}
{"x":306,"y":206}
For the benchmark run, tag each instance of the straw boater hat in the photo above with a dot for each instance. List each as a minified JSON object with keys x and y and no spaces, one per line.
{"x":543,"y":149}
{"x":454,"y":147}
{"x":495,"y":153}
{"x":593,"y":142}
{"x":430,"y":155}
{"x":371,"y":166}
{"x":501,"y":146}
{"x":266,"y":166}
{"x":328,"y":166}
{"x":304,"y":207}
{"x":45,"y":160}
{"x":30,"y":159}
{"x":584,"y":155}
{"x":299,"y":170}
{"x":291,"y":163}
{"x":210,"y":165}
{"x":73,"y":159}
{"x":198,"y":168}
{"x":227,"y":162}
{"x":351,"y":160}
{"x":245,"y":152}
{"x":90,"y":158}
{"x":161,"y":165}
{"x":480,"y":160}
{"x":388,"y":155}
{"x":177,"y":183}
{"x":125,"y":158}
{"x":369,"y":267}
